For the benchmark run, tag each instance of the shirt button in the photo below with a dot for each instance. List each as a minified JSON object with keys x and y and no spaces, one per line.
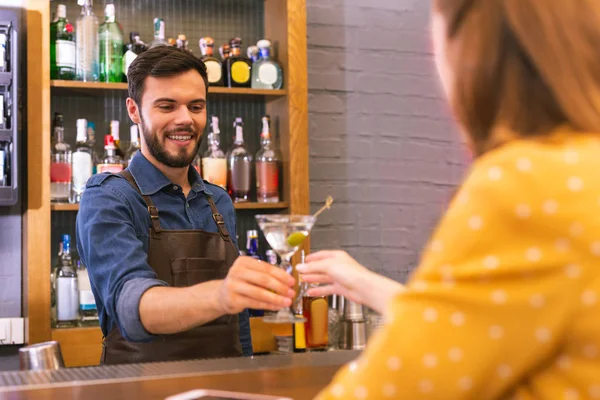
{"x":175,"y":187}
{"x":187,"y":205}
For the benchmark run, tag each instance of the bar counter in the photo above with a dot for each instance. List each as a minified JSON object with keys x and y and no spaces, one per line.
{"x":299,"y":376}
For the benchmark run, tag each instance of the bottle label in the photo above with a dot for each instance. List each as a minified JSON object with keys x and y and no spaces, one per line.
{"x":240,"y":72}
{"x":67,"y":299}
{"x":267,"y":74}
{"x":267,"y":179}
{"x":214,"y":170}
{"x":82,"y":169}
{"x":114,"y":168}
{"x":86,"y":300}
{"x":128,"y":59}
{"x":60,"y":172}
{"x":214,"y":71}
{"x":65,"y":54}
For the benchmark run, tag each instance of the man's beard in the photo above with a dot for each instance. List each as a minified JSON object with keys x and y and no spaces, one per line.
{"x":158,"y":151}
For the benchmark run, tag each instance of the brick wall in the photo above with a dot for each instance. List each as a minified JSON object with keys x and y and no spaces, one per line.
{"x":382,"y":141}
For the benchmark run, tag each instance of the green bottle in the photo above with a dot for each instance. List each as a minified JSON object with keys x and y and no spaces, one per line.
{"x":111,"y":47}
{"x":62,"y":46}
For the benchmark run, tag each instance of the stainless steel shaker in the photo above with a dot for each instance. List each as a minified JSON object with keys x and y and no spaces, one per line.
{"x":41,"y":356}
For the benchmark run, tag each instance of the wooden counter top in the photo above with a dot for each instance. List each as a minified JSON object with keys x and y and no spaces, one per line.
{"x":300,"y":376}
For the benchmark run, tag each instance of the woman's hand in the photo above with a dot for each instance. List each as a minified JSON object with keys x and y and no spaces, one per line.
{"x":341,"y":274}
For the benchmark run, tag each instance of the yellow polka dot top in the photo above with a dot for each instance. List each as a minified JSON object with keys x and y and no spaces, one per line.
{"x":505,"y":303}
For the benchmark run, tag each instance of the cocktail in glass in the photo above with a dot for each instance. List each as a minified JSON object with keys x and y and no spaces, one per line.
{"x":285,"y":234}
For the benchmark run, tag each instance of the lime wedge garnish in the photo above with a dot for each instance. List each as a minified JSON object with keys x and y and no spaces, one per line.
{"x":296,"y":239}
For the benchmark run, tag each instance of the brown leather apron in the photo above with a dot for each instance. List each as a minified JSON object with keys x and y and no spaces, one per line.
{"x":183,"y":258}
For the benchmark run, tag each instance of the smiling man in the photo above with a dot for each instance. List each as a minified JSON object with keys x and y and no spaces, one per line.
{"x":159,"y":242}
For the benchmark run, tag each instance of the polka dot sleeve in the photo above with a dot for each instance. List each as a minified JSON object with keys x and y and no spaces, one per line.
{"x":492,"y":298}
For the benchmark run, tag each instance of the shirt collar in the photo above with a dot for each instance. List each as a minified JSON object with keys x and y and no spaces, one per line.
{"x":151,"y":180}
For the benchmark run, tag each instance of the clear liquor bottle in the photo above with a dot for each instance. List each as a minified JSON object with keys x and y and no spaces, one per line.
{"x":111,"y":162}
{"x":62,"y":46}
{"x":159,"y":33}
{"x":111,"y":47}
{"x":268,"y":163}
{"x":88,"y":312}
{"x":266,"y":73}
{"x":87,"y":54}
{"x":67,"y":296}
{"x":134,"y":144}
{"x":239,"y":166}
{"x":238,"y":66}
{"x":60,"y":166}
{"x":83,"y":162}
{"x":214,"y":68}
{"x":252,"y":244}
{"x":214,"y":162}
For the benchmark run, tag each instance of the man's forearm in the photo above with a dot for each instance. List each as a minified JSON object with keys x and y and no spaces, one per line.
{"x":167,"y":310}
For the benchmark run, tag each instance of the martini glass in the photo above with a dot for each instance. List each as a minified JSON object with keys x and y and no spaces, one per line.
{"x":285,"y":234}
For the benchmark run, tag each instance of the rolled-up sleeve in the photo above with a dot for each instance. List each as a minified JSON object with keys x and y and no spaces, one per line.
{"x":116,"y":260}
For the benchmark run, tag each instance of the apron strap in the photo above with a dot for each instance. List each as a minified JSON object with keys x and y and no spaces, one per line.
{"x":219,"y":220}
{"x":152,"y":210}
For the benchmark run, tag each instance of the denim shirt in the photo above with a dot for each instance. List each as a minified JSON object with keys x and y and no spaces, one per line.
{"x":112,"y":239}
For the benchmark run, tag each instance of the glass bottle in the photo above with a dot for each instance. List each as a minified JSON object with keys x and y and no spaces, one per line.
{"x":239,"y":67}
{"x":268,"y":162}
{"x":91,"y":134}
{"x":134,"y":144}
{"x":197,"y":163}
{"x":134,"y":49}
{"x":159,"y":33}
{"x":182,"y":42}
{"x":53,"y":285}
{"x":67,"y":296}
{"x":111,"y":47}
{"x":60,"y":167}
{"x":214,"y":68}
{"x":225,"y":52}
{"x":266,"y":73}
{"x":111,"y":162}
{"x":87,"y":68}
{"x":62,"y":46}
{"x":82,"y":162}
{"x":239,"y":166}
{"x":88,"y":312}
{"x":253,"y":54}
{"x":252,"y":244}
{"x":114,"y":132}
{"x":316,"y":312}
{"x":214,"y":162}
{"x":271,"y":257}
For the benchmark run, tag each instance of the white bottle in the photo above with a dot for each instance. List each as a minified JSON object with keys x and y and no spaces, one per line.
{"x":82,"y":162}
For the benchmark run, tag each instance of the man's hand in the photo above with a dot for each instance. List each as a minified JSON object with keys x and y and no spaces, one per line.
{"x":254,"y":284}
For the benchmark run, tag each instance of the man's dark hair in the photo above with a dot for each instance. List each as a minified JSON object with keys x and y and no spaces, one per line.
{"x":161,"y":61}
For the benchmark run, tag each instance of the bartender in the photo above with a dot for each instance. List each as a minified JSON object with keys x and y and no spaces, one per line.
{"x":160,"y":243}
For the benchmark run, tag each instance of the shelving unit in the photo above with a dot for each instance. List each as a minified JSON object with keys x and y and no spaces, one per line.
{"x":282,"y":21}
{"x":92,"y":88}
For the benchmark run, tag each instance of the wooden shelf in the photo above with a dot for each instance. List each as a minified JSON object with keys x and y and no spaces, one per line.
{"x":79,"y":346}
{"x":95,"y":87}
{"x":238,"y":206}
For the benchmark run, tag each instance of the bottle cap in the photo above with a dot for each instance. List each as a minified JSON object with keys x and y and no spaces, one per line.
{"x":133,"y":133}
{"x":109,"y":141}
{"x":109,"y":10}
{"x":238,"y":122}
{"x":81,"y":129}
{"x":253,"y":233}
{"x":182,"y":37}
{"x":61,"y":11}
{"x":66,"y":239}
{"x":215,"y":124}
{"x":58,"y":119}
{"x":114,"y":129}
{"x":264,"y":44}
{"x":235,"y":42}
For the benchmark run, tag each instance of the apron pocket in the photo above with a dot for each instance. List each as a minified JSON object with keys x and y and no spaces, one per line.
{"x":190,"y":271}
